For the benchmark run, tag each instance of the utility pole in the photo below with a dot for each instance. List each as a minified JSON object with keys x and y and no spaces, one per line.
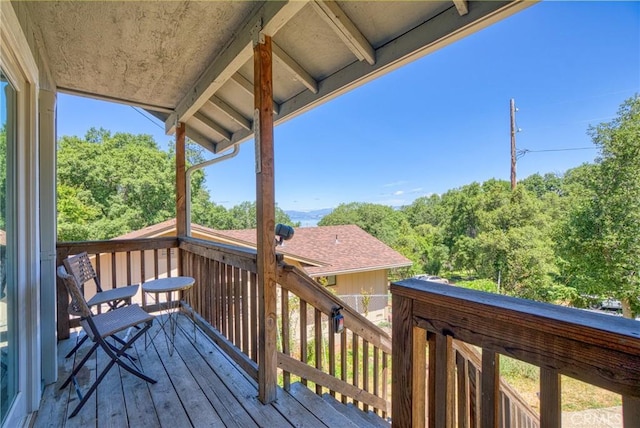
{"x":513,"y":144}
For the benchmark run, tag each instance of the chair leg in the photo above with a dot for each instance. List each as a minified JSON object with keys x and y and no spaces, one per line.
{"x":79,"y":366}
{"x":78,"y":345}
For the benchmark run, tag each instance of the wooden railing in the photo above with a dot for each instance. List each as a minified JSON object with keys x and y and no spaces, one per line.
{"x":514,"y":411}
{"x":352,"y":366}
{"x":118,"y":263}
{"x":594,"y":348}
{"x":225,"y":297}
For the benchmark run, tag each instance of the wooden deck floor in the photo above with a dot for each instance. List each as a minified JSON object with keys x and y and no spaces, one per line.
{"x":198,"y":386}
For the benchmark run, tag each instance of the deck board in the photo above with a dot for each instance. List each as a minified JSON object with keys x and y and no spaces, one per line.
{"x":197,"y":386}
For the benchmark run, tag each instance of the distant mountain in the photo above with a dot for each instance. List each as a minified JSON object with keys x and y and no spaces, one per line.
{"x":308,"y":218}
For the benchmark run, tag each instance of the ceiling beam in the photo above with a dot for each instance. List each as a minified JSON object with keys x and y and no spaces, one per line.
{"x":294,"y":68}
{"x":330,"y":12}
{"x":462,"y":6}
{"x":247,"y":86}
{"x":215,"y":127}
{"x":427,"y":37}
{"x":269,"y":18}
{"x":230,"y":112}
{"x":194,"y":135}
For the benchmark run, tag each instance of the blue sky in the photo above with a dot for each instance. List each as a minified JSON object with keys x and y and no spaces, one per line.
{"x":440,"y":122}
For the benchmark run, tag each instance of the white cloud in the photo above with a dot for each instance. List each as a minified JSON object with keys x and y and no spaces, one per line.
{"x":398,"y":193}
{"x":395,"y":183}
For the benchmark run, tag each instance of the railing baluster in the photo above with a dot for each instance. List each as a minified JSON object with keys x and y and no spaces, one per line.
{"x":318,"y":343}
{"x":355,"y":364}
{"x":254,"y":316}
{"x":630,"y":411}
{"x":245,"y":310}
{"x":303,"y":335}
{"x":376,"y":373}
{"x":490,"y":388}
{"x":463,"y":391}
{"x":128,"y":258}
{"x":143,"y":277}
{"x":223,"y":299}
{"x":284,"y":306}
{"x":332,"y":354}
{"x":114,"y":279}
{"x":365,"y":370}
{"x":385,"y":379}
{"x":550,"y":399}
{"x":229,"y":304}
{"x":343,"y":361}
{"x":237,"y":308}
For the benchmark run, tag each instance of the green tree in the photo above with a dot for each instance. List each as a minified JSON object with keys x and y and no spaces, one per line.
{"x":109,"y":185}
{"x":243,"y":216}
{"x":599,"y":239}
{"x":381,"y":221}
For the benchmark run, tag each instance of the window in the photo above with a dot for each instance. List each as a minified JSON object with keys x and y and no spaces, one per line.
{"x":8,"y":296}
{"x":327,"y":281}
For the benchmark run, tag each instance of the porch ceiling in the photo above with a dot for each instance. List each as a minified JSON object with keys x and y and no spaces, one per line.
{"x":191,"y":61}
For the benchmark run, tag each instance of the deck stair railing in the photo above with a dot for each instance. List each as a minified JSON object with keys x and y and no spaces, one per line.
{"x":353,"y":366}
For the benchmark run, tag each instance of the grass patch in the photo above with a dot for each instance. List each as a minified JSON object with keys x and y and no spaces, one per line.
{"x":576,"y":395}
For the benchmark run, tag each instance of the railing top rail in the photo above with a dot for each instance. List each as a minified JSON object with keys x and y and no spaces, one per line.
{"x":536,"y":312}
{"x":245,"y":258}
{"x":293,"y":278}
{"x":65,"y":249}
{"x":599,"y":349}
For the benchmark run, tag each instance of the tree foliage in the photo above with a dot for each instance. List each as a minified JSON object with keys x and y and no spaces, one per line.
{"x":109,"y":185}
{"x":600,"y":237}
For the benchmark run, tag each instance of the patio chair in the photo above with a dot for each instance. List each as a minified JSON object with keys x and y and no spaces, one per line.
{"x":101,"y":327}
{"x":80,"y":267}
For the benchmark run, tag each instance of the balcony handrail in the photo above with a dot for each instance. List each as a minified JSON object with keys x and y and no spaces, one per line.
{"x":595,"y":348}
{"x":365,"y":390}
{"x":298,"y":282}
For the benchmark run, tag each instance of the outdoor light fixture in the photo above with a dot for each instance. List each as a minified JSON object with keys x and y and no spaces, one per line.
{"x":338,"y":319}
{"x":283,"y":233}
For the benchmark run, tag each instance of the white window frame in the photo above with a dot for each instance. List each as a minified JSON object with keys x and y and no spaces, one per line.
{"x":19,"y":66}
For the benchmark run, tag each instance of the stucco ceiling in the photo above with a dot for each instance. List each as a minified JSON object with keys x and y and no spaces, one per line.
{"x":191,"y":61}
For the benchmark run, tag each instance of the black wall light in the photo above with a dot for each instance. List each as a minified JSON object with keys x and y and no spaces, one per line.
{"x":338,"y":319}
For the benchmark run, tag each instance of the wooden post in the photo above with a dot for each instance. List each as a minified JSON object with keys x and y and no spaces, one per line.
{"x":409,"y":367}
{"x":550,"y":398}
{"x":265,"y":212}
{"x":181,"y":182}
{"x":181,"y":189}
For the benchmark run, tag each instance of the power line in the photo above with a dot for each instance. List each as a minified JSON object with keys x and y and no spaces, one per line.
{"x":148,"y":118}
{"x":523,"y":152}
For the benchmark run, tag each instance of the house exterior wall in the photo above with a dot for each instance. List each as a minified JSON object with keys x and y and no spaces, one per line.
{"x":350,"y":288}
{"x":33,"y":162}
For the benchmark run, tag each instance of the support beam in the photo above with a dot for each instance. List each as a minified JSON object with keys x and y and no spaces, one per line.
{"x":268,"y":19}
{"x":345,"y":29}
{"x":247,"y":86}
{"x":299,"y":73}
{"x":230,"y":112}
{"x":462,"y":6}
{"x":265,"y":211}
{"x":427,"y":37}
{"x":215,"y":127}
{"x":181,"y":182}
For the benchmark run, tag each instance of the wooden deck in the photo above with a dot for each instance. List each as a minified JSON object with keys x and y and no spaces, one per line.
{"x":197,"y":386}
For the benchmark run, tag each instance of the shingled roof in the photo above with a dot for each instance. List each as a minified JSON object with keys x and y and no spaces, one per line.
{"x":329,"y":250}
{"x":337,"y":249}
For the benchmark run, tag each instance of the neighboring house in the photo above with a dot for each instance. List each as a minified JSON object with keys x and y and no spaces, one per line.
{"x":352,"y":263}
